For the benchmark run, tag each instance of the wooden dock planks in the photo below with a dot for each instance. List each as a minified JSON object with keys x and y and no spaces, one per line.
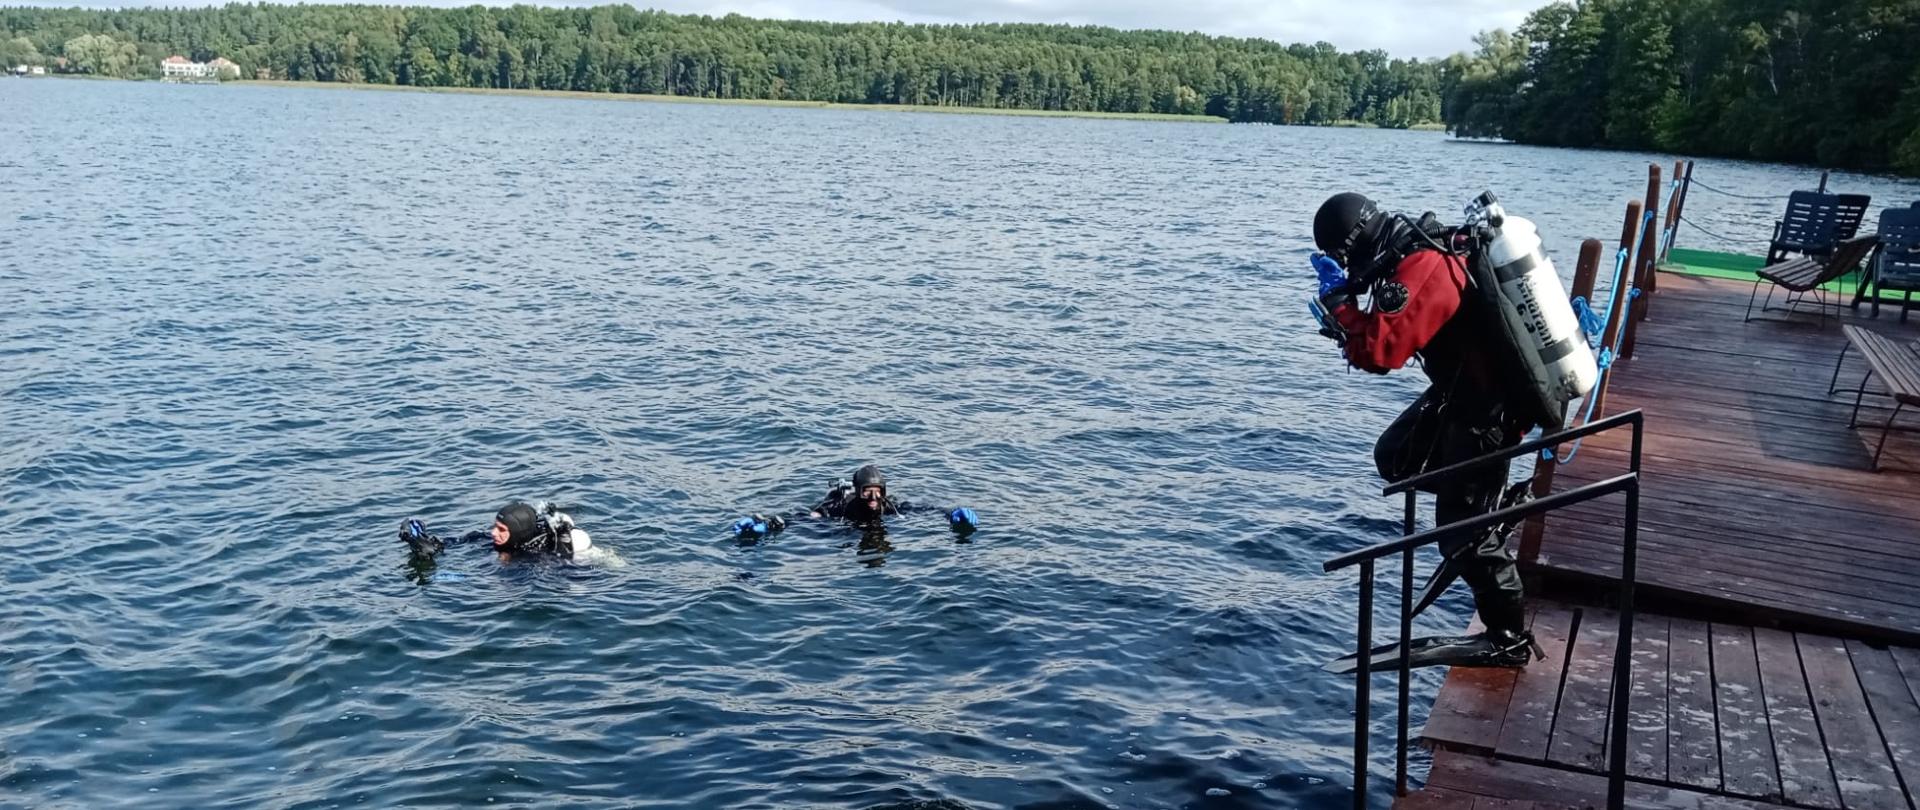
{"x":1647,"y":726}
{"x":1756,"y":494}
{"x":1536,"y":690}
{"x":1805,"y":775}
{"x":1747,"y":766}
{"x":1861,"y":767}
{"x":1722,"y":715}
{"x":1757,"y":502}
{"x":1580,"y":727}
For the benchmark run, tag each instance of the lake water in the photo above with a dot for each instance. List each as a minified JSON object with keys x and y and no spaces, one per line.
{"x":250,"y":329}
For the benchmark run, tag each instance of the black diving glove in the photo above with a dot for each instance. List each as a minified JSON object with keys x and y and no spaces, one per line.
{"x":422,"y":543}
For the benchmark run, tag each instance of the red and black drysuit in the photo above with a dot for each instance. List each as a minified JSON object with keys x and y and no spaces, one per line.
{"x":1424,"y":306}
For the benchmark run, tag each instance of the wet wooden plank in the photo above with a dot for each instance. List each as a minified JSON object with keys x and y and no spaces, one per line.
{"x":1515,"y":781}
{"x":1547,"y":786}
{"x":1580,"y":727}
{"x":1470,"y":708}
{"x":1805,"y":777}
{"x":1647,"y":712}
{"x":1891,"y":697}
{"x":1434,"y":798}
{"x":1536,"y":690}
{"x":1693,"y":748}
{"x":1861,"y":767}
{"x":1747,"y":766}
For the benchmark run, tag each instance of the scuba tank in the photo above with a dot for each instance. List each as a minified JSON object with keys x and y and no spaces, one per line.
{"x":1512,"y":273}
{"x":562,"y":536}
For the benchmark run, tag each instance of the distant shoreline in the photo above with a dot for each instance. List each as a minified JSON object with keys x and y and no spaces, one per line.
{"x":829,"y":105}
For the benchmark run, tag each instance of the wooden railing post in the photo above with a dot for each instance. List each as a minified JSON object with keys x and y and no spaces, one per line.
{"x":1673,"y":211}
{"x":1583,"y":278}
{"x":1679,"y":210}
{"x":1643,"y":266}
{"x":1617,"y":300}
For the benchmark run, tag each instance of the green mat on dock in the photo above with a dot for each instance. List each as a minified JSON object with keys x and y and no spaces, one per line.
{"x":1737,"y":266}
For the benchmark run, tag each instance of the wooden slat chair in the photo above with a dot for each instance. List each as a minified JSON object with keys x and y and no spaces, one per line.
{"x":1815,"y":222}
{"x":1809,"y":273}
{"x":1896,"y":265}
{"x":1898,"y":368}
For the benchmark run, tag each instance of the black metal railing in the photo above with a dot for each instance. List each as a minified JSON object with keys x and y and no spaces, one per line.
{"x":1363,"y":680}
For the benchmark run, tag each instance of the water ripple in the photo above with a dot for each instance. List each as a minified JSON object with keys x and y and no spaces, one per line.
{"x":256,"y":327}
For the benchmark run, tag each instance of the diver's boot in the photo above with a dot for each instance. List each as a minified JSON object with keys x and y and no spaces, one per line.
{"x":1512,"y":650}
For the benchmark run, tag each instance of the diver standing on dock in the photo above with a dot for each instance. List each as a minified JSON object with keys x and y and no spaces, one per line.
{"x":1421,"y":303}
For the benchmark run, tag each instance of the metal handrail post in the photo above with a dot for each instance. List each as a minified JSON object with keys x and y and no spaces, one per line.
{"x":1363,"y":687}
{"x":1406,"y":646}
{"x":1623,"y":646}
{"x":1623,"y":656}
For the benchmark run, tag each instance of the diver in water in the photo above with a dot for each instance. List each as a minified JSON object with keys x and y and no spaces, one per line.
{"x":519,"y":530}
{"x":864,"y":503}
{"x":1421,"y":303}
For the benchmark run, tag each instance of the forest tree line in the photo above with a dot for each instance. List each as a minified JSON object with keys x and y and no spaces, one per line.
{"x":626,"y":50}
{"x":1832,"y":82}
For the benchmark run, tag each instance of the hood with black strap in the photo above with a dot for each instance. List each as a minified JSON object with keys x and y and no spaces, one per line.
{"x":1368,"y":241}
{"x":527,"y":529}
{"x":869,"y":476}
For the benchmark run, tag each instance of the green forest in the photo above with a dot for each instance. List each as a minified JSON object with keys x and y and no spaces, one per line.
{"x":1832,"y":82}
{"x":626,"y":50}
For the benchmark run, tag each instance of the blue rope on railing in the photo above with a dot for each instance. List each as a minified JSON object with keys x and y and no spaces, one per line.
{"x":1590,"y":321}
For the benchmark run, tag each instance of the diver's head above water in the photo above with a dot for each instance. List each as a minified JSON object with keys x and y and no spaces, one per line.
{"x":515,"y":527}
{"x":869,"y":500}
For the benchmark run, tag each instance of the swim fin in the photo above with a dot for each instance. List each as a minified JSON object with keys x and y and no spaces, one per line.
{"x":1478,"y":650}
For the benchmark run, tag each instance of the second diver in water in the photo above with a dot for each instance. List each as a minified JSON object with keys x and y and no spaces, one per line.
{"x":519,"y":530}
{"x":864,"y":503}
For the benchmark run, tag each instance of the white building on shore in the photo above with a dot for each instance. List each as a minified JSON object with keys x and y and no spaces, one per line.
{"x":178,"y":68}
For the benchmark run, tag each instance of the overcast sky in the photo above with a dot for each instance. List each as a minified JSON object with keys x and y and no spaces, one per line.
{"x":1404,"y":28}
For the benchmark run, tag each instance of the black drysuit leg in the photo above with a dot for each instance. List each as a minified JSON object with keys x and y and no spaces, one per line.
{"x":1433,"y":433}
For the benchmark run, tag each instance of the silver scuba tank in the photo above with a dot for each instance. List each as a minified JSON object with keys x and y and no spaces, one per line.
{"x":1535,"y":315}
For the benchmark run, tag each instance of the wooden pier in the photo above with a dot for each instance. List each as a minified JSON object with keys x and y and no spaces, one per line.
{"x":1774,"y":651}
{"x":1757,"y":497}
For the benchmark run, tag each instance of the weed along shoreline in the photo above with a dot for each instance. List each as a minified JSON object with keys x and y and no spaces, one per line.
{"x":753,"y":102}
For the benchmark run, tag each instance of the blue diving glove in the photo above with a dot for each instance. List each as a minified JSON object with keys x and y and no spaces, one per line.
{"x":419,"y":540}
{"x":1332,"y":275}
{"x":756,"y":525}
{"x":963,"y":520}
